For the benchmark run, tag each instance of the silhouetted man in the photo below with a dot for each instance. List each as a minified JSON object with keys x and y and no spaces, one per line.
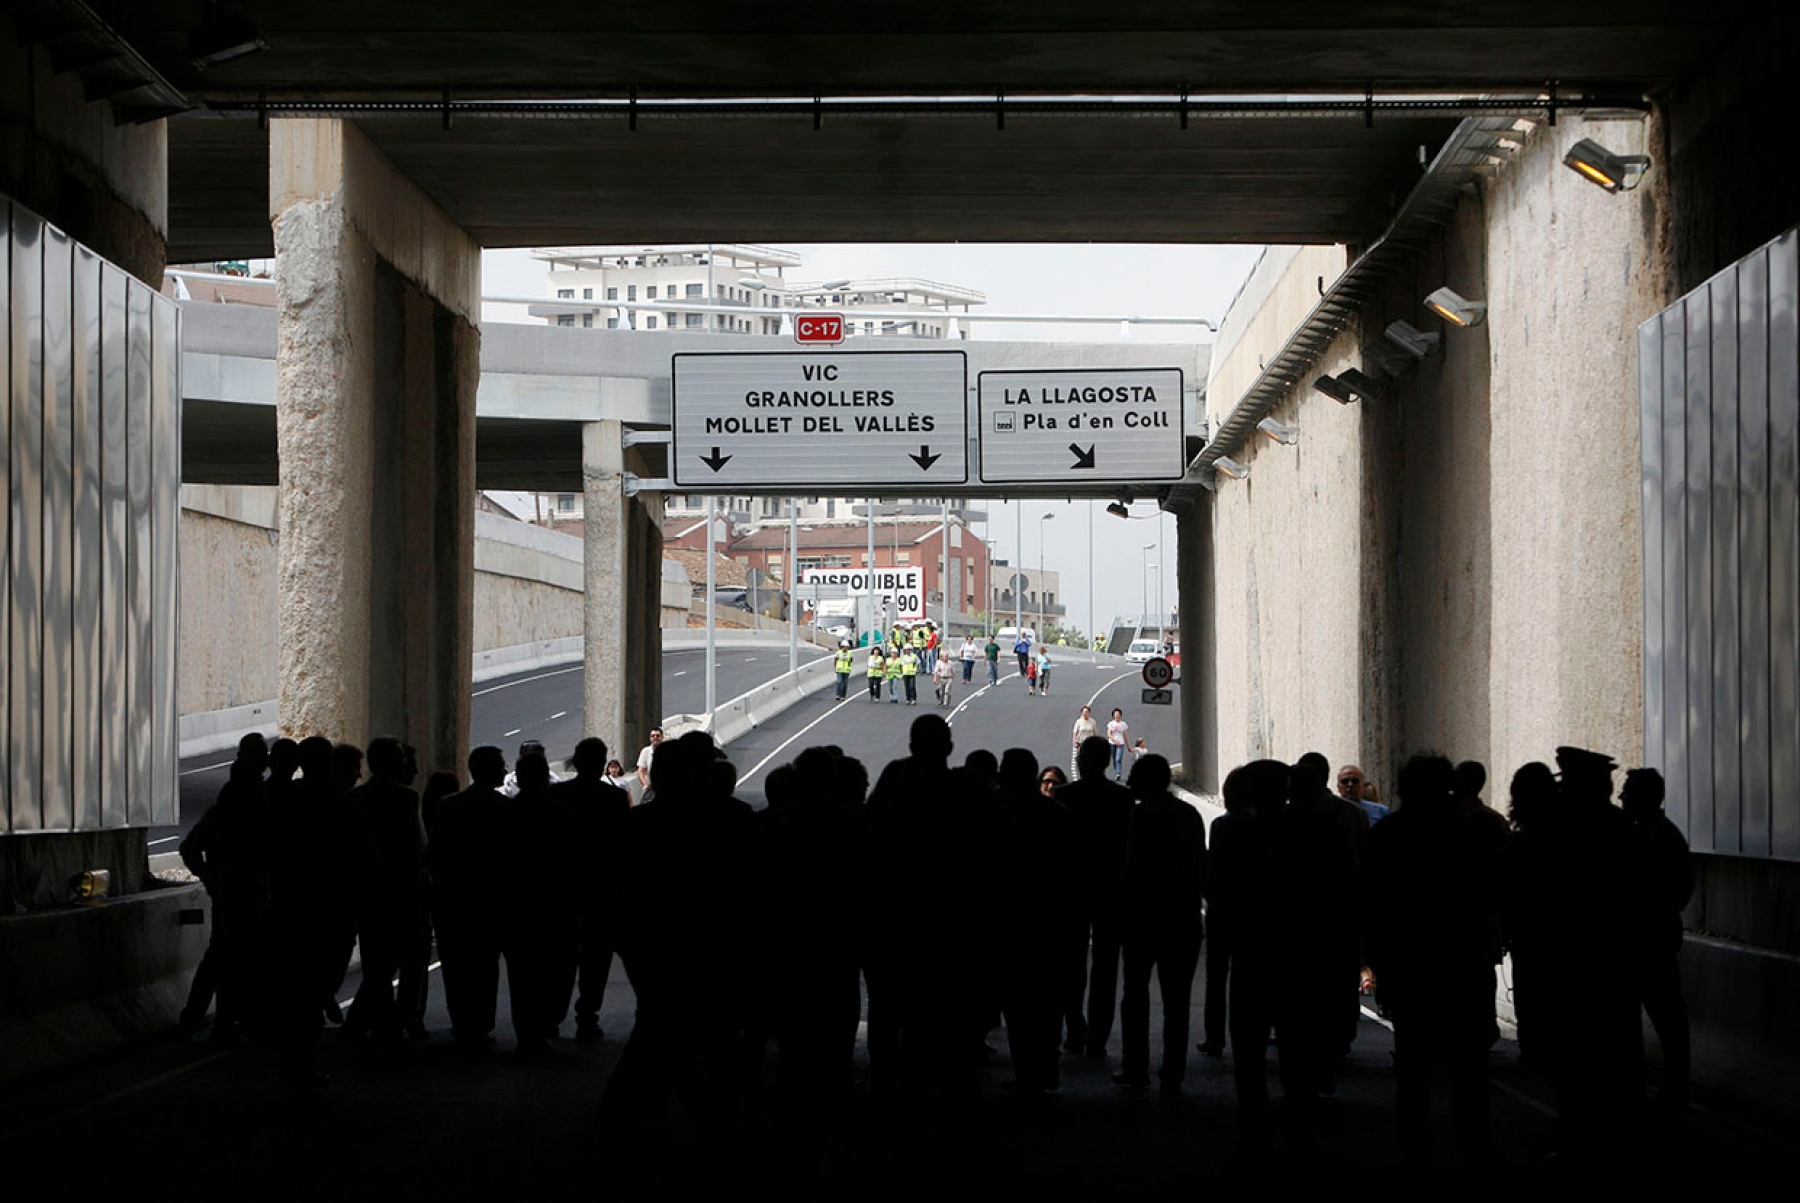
{"x":1671,"y":869}
{"x":1102,"y":813}
{"x":1219,"y":934}
{"x":389,"y":886}
{"x":465,"y":908}
{"x":599,"y":812}
{"x":925,"y":898}
{"x":1433,"y":940}
{"x":1467,"y":783}
{"x":1351,"y":816}
{"x":1035,"y":917}
{"x":1584,"y":897}
{"x":536,"y":847}
{"x":228,"y":850}
{"x":1165,"y":881}
{"x":683,"y":937}
{"x":1246,"y":894}
{"x":813,"y":853}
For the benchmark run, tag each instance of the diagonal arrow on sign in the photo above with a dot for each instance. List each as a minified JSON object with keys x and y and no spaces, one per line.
{"x":1083,"y":459}
{"x":715,"y":461}
{"x":925,"y":459}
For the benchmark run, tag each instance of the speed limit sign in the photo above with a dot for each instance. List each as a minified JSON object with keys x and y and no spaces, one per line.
{"x":1158,"y":672}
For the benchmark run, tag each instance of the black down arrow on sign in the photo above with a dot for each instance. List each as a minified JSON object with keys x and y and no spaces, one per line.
{"x":715,"y":461}
{"x":925,"y":459}
{"x":1083,"y":459}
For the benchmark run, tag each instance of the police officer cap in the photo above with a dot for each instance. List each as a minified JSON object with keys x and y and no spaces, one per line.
{"x":1580,"y":762}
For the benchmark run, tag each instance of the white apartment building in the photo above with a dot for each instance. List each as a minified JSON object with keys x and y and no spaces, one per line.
{"x":750,"y":280}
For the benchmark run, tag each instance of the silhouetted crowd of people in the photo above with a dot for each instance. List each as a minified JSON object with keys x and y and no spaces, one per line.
{"x":967,"y":896}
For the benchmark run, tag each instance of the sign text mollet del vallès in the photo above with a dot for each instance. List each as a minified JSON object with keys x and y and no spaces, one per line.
{"x":811,"y":420}
{"x":1080,"y":426}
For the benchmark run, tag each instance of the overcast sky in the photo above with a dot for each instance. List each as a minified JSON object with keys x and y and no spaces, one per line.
{"x":1085,"y":279}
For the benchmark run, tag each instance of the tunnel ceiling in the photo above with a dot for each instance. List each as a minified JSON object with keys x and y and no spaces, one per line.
{"x":519,"y":181}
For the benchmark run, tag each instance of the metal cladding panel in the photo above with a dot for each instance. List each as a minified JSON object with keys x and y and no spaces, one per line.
{"x":5,"y":517}
{"x":1650,"y":403}
{"x":59,"y":531}
{"x":25,"y":579}
{"x":139,"y":562}
{"x":1698,"y":636}
{"x":1674,"y":629}
{"x":1723,"y":392}
{"x":1753,"y":553}
{"x":115,"y":507}
{"x":1784,"y":547}
{"x":86,"y":544}
{"x":165,"y":524}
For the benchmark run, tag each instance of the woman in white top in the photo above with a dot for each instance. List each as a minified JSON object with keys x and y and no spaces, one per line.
{"x":1115,"y":735}
{"x":1085,"y":729}
{"x":969,"y":655}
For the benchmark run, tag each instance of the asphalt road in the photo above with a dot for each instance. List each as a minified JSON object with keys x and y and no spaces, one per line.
{"x":544,"y":705}
{"x":996,"y":717}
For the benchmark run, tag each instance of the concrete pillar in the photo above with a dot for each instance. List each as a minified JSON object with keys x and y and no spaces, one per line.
{"x":1194,"y":569}
{"x":377,"y":360}
{"x":622,"y":607}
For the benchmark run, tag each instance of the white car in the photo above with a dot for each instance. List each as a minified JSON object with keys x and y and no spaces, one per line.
{"x":1142,"y":651}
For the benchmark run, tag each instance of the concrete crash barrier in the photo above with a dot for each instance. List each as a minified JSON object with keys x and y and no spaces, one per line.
{"x":744,"y":714}
{"x":82,"y":981}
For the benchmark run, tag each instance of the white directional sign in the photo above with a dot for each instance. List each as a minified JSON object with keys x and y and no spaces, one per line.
{"x":809,"y":421}
{"x":1079,"y":427}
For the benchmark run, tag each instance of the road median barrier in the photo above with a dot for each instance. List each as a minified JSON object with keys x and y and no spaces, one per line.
{"x":745,"y":713}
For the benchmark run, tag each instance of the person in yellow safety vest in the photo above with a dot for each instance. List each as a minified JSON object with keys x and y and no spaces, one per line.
{"x":877,"y":672}
{"x":909,"y":673}
{"x":846,"y":660}
{"x":893,"y":677}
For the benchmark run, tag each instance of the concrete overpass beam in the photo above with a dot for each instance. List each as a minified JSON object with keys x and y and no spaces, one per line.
{"x":377,"y":362}
{"x":623,"y":606}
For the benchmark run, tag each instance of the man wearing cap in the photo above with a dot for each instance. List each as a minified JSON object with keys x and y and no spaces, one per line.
{"x":1580,"y":895}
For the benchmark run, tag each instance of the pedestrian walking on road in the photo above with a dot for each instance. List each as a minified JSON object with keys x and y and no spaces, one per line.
{"x":945,"y":676}
{"x":844,"y":662}
{"x":969,"y":654}
{"x":228,"y":850}
{"x":1116,"y":732}
{"x":1085,"y":729}
{"x":909,"y":675}
{"x":892,"y":672}
{"x":1022,"y":649}
{"x":877,"y":671}
{"x":1035,"y":917}
{"x":1030,"y":678}
{"x":539,"y":905}
{"x":598,"y":811}
{"x":992,"y":651}
{"x":390,"y":884}
{"x":1043,"y":671}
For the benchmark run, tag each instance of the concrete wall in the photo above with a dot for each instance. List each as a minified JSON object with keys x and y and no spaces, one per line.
{"x":527,"y":591}
{"x":1454,"y":566}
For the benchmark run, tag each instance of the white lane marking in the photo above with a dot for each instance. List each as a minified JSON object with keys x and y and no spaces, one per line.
{"x":205,"y":768}
{"x":966,"y":701}
{"x":682,"y":673}
{"x":748,"y":659}
{"x":512,"y":733}
{"x":790,"y":739}
{"x":344,"y":1004}
{"x":1108,"y":686}
{"x":167,"y":839}
{"x":523,"y":680}
{"x":557,"y":715}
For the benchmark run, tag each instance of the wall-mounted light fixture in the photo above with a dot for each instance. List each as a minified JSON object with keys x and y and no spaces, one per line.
{"x":1615,"y":173}
{"x":1386,"y":358}
{"x":1232,"y":468}
{"x":1455,"y":308}
{"x":1287,"y":436}
{"x":221,"y":37}
{"x":1364,"y":386}
{"x":1335,"y":388}
{"x":1118,"y":509}
{"x":1412,"y":340}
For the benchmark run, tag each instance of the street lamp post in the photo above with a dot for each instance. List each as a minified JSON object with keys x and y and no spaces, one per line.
{"x":1145,"y":602}
{"x":1043,"y":615}
{"x":1018,"y":566}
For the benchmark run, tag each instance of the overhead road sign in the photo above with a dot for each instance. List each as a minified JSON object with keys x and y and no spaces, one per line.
{"x":902,"y":588}
{"x":806,"y":421}
{"x":1080,"y":426}
{"x":819,"y":328}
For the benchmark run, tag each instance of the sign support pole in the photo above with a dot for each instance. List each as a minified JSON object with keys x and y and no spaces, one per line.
{"x":792,"y":582}
{"x":712,"y":700}
{"x":870,"y":567}
{"x":944,"y":573}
